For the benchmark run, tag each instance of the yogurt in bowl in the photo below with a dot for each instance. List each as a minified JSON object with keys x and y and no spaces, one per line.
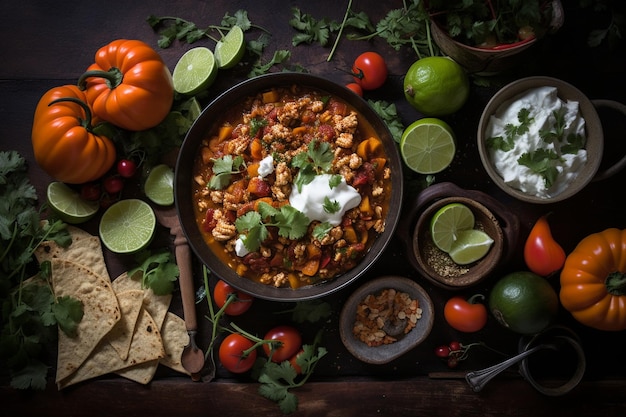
{"x":536,"y":142}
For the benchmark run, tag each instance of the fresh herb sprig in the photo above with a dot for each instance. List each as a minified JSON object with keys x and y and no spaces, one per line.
{"x":511,"y":131}
{"x":31,"y":313}
{"x":158,"y":271}
{"x":389,"y":113}
{"x":316,"y":160}
{"x":223,"y":170}
{"x":291,"y":223}
{"x":176,"y":28}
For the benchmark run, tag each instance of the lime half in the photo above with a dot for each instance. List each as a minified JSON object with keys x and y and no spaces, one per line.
{"x":127,"y":226}
{"x":159,"y":186}
{"x":470,"y":246}
{"x":230,"y":49}
{"x":195,"y":71}
{"x":428,"y":146}
{"x":68,"y":205}
{"x":448,"y":222}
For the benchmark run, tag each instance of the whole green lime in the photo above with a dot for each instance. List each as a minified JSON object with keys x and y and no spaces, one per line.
{"x":436,"y":86}
{"x":523,"y":302}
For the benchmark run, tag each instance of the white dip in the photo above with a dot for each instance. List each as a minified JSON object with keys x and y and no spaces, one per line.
{"x":541,"y":103}
{"x":266,"y":166}
{"x":312,"y":198}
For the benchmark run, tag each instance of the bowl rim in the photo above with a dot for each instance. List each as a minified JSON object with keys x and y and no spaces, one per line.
{"x":593,"y":132}
{"x":385,"y":353}
{"x":183,"y":178}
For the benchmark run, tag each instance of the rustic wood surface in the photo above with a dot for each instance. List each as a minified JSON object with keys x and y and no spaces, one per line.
{"x":48,"y":43}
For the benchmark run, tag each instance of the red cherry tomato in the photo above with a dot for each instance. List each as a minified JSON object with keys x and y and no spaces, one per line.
{"x":126,"y":168}
{"x":290,"y":342}
{"x":369,"y":70}
{"x":454,"y":346}
{"x":542,"y":254}
{"x":238,"y":306}
{"x":294,"y":361}
{"x":465,"y":315}
{"x":113,"y":184}
{"x":356,"y":89}
{"x":231,"y":353}
{"x":91,"y":191}
{"x":442,"y":351}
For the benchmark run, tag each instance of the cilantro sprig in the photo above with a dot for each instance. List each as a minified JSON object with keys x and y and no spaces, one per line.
{"x":223,"y":170}
{"x":316,"y":160}
{"x":158,"y":271}
{"x":291,"y":223}
{"x":31,"y":312}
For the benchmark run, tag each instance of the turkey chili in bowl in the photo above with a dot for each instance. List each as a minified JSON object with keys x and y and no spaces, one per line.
{"x":292,"y":187}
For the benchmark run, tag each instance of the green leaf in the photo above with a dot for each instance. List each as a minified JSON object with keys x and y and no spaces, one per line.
{"x":331,"y":206}
{"x":291,"y":222}
{"x":31,"y":376}
{"x":158,"y":270}
{"x":68,"y":312}
{"x":321,"y":230}
{"x":312,"y":311}
{"x":389,"y":113}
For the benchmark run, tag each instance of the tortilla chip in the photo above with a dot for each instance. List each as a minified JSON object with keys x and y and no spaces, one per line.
{"x":121,"y":335}
{"x":85,"y":249}
{"x":146,"y":346}
{"x":141,"y":373}
{"x":156,"y":305}
{"x":101,"y":312}
{"x":175,"y":338}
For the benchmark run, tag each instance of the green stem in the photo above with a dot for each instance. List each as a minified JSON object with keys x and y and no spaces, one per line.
{"x":86,"y":123}
{"x":616,"y":283}
{"x":112,"y":77}
{"x":343,"y":23}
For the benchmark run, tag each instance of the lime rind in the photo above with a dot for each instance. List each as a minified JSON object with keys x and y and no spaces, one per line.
{"x":127,"y":226}
{"x":68,"y":205}
{"x":470,"y":246}
{"x":447,"y":222}
{"x":159,"y":186}
{"x":195,"y":71}
{"x":230,"y":50}
{"x":428,"y":146}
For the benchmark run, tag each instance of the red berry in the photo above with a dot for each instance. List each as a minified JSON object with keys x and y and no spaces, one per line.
{"x":126,"y":168}
{"x":113,"y":184}
{"x":90,"y":191}
{"x":455,"y":346}
{"x":442,"y":351}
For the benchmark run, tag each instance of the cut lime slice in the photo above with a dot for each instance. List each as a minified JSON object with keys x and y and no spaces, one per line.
{"x":230,"y":49}
{"x":195,"y":71}
{"x":159,"y":186}
{"x":68,"y":205}
{"x":127,"y":226}
{"x":448,"y":222}
{"x":470,"y":246}
{"x":428,"y":146}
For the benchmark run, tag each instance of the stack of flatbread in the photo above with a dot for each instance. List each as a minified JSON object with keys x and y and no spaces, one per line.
{"x":125,"y":329}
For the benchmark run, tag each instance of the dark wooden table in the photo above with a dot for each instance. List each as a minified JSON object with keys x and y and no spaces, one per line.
{"x":47,"y":43}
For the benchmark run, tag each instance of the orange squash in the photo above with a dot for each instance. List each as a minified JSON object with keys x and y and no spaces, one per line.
{"x":64,"y":144}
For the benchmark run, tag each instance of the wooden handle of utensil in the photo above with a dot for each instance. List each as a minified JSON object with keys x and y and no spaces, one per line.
{"x":187,"y":291}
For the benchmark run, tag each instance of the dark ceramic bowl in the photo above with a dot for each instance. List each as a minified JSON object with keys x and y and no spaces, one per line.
{"x":387,"y":352}
{"x":593,"y":130}
{"x":183,"y":184}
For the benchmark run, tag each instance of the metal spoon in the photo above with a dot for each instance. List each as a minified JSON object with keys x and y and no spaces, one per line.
{"x":192,"y":357}
{"x":478,"y":379}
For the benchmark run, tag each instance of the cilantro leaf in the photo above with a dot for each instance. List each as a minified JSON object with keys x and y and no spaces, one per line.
{"x":322,"y":230}
{"x":540,"y":162}
{"x":223,"y":170}
{"x":312,"y":311}
{"x":389,"y":113}
{"x":68,"y":312}
{"x":261,"y":68}
{"x":317,"y":160}
{"x":291,"y":222}
{"x":158,"y":271}
{"x":331,"y":206}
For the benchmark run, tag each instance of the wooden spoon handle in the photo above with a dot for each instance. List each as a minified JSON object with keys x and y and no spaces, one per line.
{"x":187,"y":291}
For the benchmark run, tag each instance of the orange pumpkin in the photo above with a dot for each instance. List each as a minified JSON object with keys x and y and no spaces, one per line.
{"x":64,"y":144}
{"x":593,"y":280}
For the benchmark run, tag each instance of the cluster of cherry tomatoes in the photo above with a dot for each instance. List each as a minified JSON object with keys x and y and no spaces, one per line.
{"x":238,"y":351}
{"x":369,"y":72}
{"x":108,"y":190}
{"x":452,"y":353}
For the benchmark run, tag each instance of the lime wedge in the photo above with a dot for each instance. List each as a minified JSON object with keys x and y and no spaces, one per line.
{"x":127,"y":226}
{"x":428,"y":146}
{"x":448,"y":222}
{"x":470,"y":246}
{"x":159,"y":186}
{"x":195,"y":71}
{"x":230,"y":49}
{"x":68,"y":205}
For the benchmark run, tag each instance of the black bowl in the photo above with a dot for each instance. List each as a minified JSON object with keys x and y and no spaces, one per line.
{"x":183,"y":185}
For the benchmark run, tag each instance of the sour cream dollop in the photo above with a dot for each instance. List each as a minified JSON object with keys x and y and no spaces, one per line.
{"x":266,"y":166}
{"x":541,"y":102}
{"x":311,"y":199}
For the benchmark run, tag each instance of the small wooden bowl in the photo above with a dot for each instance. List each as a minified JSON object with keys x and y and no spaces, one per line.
{"x":385,"y":353}
{"x":438,"y":265}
